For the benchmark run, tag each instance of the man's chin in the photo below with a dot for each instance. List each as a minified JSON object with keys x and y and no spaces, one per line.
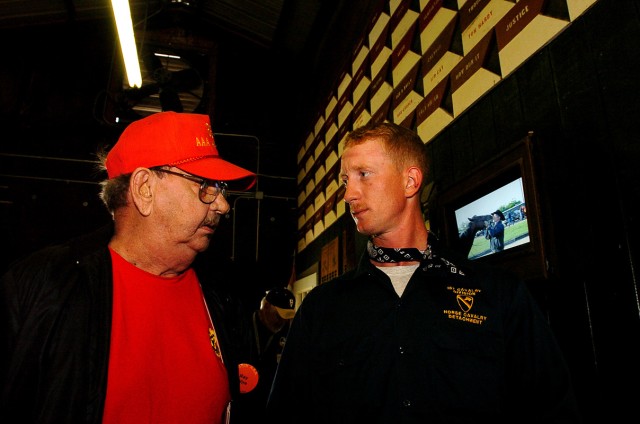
{"x":202,"y":243}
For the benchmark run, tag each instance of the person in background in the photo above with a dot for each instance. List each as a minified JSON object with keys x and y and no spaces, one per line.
{"x":495,"y":232}
{"x":117,"y":326}
{"x":270,"y":325}
{"x":415,"y":334}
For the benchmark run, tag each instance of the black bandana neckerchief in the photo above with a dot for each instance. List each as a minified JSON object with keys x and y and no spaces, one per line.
{"x":396,"y":254}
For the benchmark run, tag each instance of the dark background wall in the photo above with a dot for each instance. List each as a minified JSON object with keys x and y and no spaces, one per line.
{"x":579,"y":95}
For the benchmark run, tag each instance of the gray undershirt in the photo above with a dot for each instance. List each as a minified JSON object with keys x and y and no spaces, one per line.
{"x":399,"y":275}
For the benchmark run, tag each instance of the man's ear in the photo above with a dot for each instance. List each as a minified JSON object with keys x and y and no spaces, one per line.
{"x":141,"y":187}
{"x":413,"y":181}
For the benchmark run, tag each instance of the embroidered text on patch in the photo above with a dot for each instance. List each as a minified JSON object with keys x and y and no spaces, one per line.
{"x":465,"y":298}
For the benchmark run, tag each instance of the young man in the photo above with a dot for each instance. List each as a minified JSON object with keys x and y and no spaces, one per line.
{"x":414,"y":334}
{"x":118,"y":327}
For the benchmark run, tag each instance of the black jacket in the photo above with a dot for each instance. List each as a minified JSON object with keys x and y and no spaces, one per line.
{"x":463,"y":344}
{"x":55,"y":325}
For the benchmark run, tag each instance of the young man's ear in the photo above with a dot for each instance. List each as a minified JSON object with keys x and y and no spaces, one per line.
{"x":414,"y":180}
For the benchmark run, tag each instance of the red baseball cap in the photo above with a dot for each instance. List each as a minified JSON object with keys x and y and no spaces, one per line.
{"x":183,"y":140}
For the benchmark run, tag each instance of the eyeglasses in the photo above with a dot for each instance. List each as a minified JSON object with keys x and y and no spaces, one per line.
{"x":209,"y":189}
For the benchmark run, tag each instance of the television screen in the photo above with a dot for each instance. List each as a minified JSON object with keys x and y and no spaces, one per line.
{"x":507,"y":184}
{"x":483,"y":234}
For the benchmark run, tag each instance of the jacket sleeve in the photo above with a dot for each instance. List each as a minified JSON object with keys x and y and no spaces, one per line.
{"x":19,"y":290}
{"x":8,"y":323}
{"x":536,"y":368}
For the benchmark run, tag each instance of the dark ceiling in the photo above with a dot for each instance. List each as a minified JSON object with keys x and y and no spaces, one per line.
{"x":294,"y":48}
{"x":266,"y":67}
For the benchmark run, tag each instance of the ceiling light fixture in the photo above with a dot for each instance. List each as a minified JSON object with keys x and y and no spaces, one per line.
{"x":122,"y":14}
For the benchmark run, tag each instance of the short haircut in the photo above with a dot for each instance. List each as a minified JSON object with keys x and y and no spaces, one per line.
{"x":404,"y":145}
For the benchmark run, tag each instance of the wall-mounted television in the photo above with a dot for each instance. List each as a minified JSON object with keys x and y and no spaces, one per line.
{"x":506,"y":184}
{"x":475,"y":220}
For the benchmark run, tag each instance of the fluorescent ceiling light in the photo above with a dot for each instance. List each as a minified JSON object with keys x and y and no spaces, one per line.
{"x":122,"y":14}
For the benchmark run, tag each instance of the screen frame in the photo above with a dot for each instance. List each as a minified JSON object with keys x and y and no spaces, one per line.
{"x":527,"y":260}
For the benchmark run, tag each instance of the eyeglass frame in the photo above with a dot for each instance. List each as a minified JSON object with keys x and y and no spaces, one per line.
{"x":205,"y":183}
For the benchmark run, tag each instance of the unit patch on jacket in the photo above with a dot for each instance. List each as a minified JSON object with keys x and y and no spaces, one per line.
{"x":465,"y":298}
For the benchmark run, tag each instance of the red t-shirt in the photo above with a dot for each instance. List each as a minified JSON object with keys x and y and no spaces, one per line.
{"x":162,"y":366}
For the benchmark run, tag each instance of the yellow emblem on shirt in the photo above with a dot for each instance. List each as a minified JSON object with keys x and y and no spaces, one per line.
{"x":214,"y":342}
{"x":465,"y":298}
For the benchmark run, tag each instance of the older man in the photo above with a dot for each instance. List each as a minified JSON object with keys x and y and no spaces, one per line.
{"x":117,"y":327}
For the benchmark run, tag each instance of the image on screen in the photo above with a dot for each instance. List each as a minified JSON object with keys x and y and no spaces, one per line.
{"x":471,"y":218}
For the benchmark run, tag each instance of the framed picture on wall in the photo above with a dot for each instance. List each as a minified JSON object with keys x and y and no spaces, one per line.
{"x":329,"y":261}
{"x":506,"y":185}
